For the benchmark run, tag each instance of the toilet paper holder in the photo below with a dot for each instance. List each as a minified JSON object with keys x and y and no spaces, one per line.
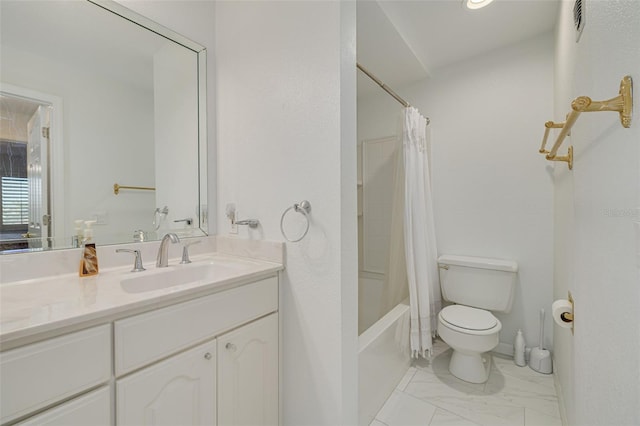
{"x":569,"y":316}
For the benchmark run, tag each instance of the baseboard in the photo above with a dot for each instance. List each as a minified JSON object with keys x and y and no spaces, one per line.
{"x":505,"y":349}
{"x":561,"y":405}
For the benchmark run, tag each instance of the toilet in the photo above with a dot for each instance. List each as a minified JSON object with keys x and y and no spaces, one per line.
{"x":476,"y":286}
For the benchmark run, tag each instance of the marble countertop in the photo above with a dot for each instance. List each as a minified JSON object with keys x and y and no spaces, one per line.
{"x":45,"y":305}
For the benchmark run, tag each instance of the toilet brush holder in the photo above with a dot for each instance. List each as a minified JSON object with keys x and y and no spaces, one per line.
{"x":540,"y":358}
{"x":540,"y":361}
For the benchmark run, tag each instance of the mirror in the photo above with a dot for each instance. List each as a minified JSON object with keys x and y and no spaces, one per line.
{"x":103,"y":119}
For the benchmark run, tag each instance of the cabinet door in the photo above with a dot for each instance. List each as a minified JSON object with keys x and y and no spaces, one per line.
{"x":180,"y":390}
{"x":248,"y":374}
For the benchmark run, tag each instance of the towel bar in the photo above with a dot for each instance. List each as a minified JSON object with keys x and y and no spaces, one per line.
{"x":117,"y":188}
{"x":623,"y":104}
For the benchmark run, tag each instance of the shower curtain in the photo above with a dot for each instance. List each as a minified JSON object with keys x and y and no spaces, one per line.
{"x":412,"y":268}
{"x":419,"y":235}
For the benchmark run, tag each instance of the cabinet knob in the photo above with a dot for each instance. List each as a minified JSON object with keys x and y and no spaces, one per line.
{"x":207,"y":356}
{"x":230,"y":346}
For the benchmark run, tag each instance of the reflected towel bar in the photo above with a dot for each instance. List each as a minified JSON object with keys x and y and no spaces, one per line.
{"x":117,"y":188}
{"x":623,"y":104}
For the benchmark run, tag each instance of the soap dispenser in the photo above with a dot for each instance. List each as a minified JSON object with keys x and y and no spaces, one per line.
{"x":89,"y":261}
{"x":88,"y":231}
{"x":76,"y":239}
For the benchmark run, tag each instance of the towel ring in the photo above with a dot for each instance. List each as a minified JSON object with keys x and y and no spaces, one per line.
{"x":303,"y":207}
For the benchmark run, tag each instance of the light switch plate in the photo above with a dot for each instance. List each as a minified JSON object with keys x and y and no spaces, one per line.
{"x":232,"y":215}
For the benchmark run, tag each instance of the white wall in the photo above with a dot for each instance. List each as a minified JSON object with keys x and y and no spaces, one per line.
{"x":286,"y":102}
{"x":492,"y":190}
{"x":597,"y":219}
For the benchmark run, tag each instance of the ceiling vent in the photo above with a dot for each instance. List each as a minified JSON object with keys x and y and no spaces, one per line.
{"x":578,"y":18}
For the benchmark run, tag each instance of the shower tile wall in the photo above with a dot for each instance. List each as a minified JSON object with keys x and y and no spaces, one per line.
{"x":429,"y":395}
{"x":376,"y":174}
{"x":378,"y":170}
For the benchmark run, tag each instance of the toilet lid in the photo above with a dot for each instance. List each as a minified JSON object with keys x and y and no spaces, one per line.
{"x":468,"y":318}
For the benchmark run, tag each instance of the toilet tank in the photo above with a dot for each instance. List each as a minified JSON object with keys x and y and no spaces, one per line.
{"x":478,"y":282}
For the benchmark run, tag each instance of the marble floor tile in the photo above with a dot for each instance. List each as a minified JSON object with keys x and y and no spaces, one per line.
{"x":526,"y":393}
{"x":426,"y":383}
{"x":438,"y":363}
{"x":482,"y":409}
{"x":513,"y":396}
{"x":445,"y":418}
{"x":402,"y":409}
{"x":508,"y":367}
{"x":406,"y":379}
{"x":536,"y":418}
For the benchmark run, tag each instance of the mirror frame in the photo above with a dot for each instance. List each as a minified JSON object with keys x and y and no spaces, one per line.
{"x":201,"y":66}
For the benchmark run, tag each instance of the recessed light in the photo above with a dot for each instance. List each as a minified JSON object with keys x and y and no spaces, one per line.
{"x":477,"y":4}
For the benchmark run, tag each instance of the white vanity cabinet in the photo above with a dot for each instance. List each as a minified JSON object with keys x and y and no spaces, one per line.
{"x":209,"y":360}
{"x":248,"y":374}
{"x":230,"y":379}
{"x":178,"y":391}
{"x":241,"y":367}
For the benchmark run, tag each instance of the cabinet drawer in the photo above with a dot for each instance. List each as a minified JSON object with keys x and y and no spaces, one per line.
{"x":41,"y":374}
{"x":92,"y":409}
{"x":151,"y":336}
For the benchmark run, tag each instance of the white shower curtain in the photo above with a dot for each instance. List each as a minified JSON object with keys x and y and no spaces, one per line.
{"x":419,"y":235}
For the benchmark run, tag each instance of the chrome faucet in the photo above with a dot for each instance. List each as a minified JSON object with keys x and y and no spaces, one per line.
{"x":137,"y":266}
{"x":162,"y":261}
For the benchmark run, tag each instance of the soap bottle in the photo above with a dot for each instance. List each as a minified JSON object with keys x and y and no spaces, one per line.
{"x":89,"y":261}
{"x":518,"y":350}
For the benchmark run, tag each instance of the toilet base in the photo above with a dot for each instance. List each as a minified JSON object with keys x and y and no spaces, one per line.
{"x":470,"y":367}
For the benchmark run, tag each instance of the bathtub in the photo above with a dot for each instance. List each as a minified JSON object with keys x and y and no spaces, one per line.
{"x":383,"y":359}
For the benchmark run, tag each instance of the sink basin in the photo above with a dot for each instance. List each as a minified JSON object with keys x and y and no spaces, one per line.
{"x":158,"y":279}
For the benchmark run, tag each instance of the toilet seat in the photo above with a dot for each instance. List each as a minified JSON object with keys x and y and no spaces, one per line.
{"x":468,"y":320}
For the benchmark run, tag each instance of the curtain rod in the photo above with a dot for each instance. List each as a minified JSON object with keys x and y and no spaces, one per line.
{"x":385,"y":87}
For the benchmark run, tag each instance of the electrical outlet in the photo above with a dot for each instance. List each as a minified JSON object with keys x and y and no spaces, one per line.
{"x":101,"y":217}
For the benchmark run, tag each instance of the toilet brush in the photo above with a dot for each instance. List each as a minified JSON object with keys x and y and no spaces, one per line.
{"x":540,"y":358}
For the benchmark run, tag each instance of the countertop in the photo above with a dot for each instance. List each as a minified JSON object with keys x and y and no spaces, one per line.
{"x":39,"y":308}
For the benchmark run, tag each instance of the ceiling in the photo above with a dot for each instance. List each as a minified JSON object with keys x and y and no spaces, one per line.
{"x":403,"y":41}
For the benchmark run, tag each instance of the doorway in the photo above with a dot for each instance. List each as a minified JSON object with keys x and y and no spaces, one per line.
{"x":25,"y":172}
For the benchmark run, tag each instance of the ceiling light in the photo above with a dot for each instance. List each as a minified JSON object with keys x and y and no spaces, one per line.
{"x":477,"y":4}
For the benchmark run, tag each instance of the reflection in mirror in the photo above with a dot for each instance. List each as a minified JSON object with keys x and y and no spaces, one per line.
{"x":93,"y":96}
